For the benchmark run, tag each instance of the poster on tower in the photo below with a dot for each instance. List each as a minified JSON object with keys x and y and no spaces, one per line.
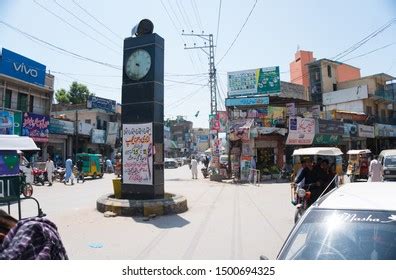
{"x":137,"y":154}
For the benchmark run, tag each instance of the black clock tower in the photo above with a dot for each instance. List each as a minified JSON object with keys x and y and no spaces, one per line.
{"x":143,"y":105}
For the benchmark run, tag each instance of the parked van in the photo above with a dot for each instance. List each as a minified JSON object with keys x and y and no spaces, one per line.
{"x":388,"y":161}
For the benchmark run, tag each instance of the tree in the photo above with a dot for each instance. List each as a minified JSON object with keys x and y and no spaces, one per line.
{"x":62,"y":96}
{"x":79,"y":93}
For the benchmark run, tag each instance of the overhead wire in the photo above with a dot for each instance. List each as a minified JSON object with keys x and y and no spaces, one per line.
{"x":98,"y":21}
{"x":240,"y":30}
{"x":76,"y":28}
{"x":184,"y":99}
{"x":197,"y":15}
{"x":218,"y":24}
{"x":87,"y":24}
{"x":64,"y":51}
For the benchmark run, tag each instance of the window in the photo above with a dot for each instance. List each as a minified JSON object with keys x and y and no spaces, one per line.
{"x":31,"y":102}
{"x":88,"y":121}
{"x":317,"y":76}
{"x":7,"y":99}
{"x":22,"y":103}
{"x":383,"y":114}
{"x":334,"y":87}
{"x":329,"y":71}
{"x":104,"y":125}
{"x":369,"y":110}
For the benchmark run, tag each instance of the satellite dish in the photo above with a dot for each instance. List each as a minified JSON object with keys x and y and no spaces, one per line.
{"x":144,"y":27}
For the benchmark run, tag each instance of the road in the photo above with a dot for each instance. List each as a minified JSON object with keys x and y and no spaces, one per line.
{"x":224,"y":221}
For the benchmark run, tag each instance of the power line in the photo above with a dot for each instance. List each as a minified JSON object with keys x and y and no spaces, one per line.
{"x":364,"y":54}
{"x":184,"y":99}
{"x":84,"y":22}
{"x":233,"y":42}
{"x":218,"y":23}
{"x":82,"y":81}
{"x":75,"y":28}
{"x":98,"y":21}
{"x":196,"y":12}
{"x":64,"y":51}
{"x":186,"y":83}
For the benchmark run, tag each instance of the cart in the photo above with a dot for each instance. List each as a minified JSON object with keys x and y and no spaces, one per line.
{"x":12,"y":182}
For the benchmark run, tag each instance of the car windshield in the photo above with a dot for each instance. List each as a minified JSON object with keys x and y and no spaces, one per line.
{"x":343,"y":234}
{"x":390,"y":161}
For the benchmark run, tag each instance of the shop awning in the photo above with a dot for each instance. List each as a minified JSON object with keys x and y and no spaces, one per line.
{"x":15,"y":143}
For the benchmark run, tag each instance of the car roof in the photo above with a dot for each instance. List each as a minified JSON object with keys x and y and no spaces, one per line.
{"x":361,"y":195}
{"x":323,"y":151}
{"x":388,"y":152}
{"x":355,"y":152}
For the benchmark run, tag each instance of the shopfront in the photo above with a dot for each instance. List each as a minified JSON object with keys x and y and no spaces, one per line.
{"x":37,"y":127}
{"x":60,"y":139}
{"x":385,"y":136}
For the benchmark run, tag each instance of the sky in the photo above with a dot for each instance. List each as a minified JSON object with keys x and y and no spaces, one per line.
{"x":270,"y":36}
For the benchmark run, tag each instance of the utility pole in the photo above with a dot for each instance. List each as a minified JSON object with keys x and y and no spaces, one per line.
{"x":212,"y":67}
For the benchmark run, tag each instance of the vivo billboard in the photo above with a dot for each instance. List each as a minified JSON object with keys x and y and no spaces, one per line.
{"x":22,"y":68}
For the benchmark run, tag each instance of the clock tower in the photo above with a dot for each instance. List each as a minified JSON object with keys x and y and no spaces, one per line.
{"x":142,"y":117}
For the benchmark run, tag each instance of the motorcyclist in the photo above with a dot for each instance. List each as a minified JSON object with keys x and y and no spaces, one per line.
{"x":309,"y":178}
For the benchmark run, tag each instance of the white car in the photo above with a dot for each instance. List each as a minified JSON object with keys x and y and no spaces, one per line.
{"x":354,"y":222}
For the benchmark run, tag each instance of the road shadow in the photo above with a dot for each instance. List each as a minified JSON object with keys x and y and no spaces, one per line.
{"x":164,"y":222}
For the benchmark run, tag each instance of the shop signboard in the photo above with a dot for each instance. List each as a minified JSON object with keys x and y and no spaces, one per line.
{"x":330,"y":127}
{"x":301,"y":131}
{"x":250,"y":113}
{"x":326,"y":139}
{"x":112,"y":133}
{"x":203,"y":138}
{"x":350,"y":130}
{"x":98,"y":136}
{"x":365,"y":131}
{"x":35,"y":126}
{"x":222,"y":117}
{"x":84,"y":128}
{"x":315,"y":110}
{"x":240,"y":129}
{"x":255,"y":81}
{"x":137,"y":143}
{"x":385,"y":130}
{"x":57,"y":126}
{"x":248,"y":101}
{"x":22,"y":68}
{"x":345,"y":95}
{"x":245,"y":167}
{"x":107,"y":105}
{"x":10,"y":122}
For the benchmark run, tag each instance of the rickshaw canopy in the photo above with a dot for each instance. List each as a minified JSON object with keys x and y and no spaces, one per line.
{"x":320,"y":151}
{"x":357,"y":152}
{"x":17,"y":143}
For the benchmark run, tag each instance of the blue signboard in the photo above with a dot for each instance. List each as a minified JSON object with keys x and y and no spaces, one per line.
{"x":57,"y":126}
{"x":101,"y":103}
{"x":22,"y":68}
{"x":250,"y":101}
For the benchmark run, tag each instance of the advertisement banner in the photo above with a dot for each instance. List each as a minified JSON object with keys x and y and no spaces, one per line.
{"x":214,"y":123}
{"x":112,"y":133}
{"x":137,"y":154}
{"x":350,"y":130}
{"x":249,"y":101}
{"x":240,"y":129}
{"x":315,"y":110}
{"x":202,"y":138}
{"x":57,"y":126}
{"x":9,"y":163}
{"x":345,"y":95}
{"x":255,"y":81}
{"x":222,"y":116}
{"x":35,"y":126}
{"x":250,"y":113}
{"x":84,"y":128}
{"x":291,"y":109}
{"x":22,"y":68}
{"x":385,"y":130}
{"x":365,"y":131}
{"x":330,"y":127}
{"x":6,"y":122}
{"x":98,"y":136}
{"x":324,"y":139}
{"x":301,"y":131}
{"x":101,"y":103}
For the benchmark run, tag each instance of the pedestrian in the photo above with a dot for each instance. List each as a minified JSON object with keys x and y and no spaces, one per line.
{"x":252,"y":173}
{"x":109,"y":166}
{"x":29,"y":239}
{"x":194,"y":167}
{"x":69,"y":171}
{"x":375,"y":170}
{"x":80,"y":173}
{"x":50,"y":168}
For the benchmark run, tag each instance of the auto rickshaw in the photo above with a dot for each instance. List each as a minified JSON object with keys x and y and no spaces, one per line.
{"x":91,"y":164}
{"x":300,"y":195}
{"x":358,"y":164}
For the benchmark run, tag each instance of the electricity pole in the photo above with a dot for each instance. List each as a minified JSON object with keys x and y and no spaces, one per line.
{"x":212,"y":67}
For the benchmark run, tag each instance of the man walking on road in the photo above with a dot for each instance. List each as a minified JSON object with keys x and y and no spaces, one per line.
{"x":194,"y":168}
{"x":69,"y":171}
{"x":375,"y":170}
{"x":49,"y":167}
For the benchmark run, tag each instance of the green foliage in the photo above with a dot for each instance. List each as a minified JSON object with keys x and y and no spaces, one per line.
{"x":62,"y":96}
{"x":274,"y":169}
{"x":77,"y":94}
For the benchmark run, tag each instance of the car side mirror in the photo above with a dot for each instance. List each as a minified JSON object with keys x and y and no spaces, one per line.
{"x":263,"y":258}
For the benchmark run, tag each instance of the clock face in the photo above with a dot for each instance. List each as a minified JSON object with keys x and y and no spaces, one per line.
{"x":138,"y":64}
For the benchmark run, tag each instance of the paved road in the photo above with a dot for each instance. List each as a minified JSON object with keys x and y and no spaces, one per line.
{"x":224,"y":221}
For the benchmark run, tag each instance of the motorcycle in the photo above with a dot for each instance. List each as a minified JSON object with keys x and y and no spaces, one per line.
{"x":205,"y":172}
{"x":26,"y":187}
{"x":59,"y":173}
{"x":39,"y":176}
{"x":285,"y":174}
{"x":302,"y":196}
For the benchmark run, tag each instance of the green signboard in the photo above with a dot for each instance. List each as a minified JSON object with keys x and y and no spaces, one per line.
{"x":268,"y":80}
{"x":326,"y":139}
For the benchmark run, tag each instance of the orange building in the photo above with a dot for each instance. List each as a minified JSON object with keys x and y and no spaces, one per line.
{"x":299,"y":68}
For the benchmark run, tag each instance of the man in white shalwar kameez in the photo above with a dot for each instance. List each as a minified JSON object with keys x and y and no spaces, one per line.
{"x":375,"y":170}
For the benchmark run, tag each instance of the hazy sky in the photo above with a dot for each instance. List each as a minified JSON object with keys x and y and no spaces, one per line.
{"x":270,"y":37}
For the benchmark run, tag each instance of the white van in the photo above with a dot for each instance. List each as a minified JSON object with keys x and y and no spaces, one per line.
{"x":388,"y":161}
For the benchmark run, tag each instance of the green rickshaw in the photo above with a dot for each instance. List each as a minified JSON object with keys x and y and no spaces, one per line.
{"x":92,"y":164}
